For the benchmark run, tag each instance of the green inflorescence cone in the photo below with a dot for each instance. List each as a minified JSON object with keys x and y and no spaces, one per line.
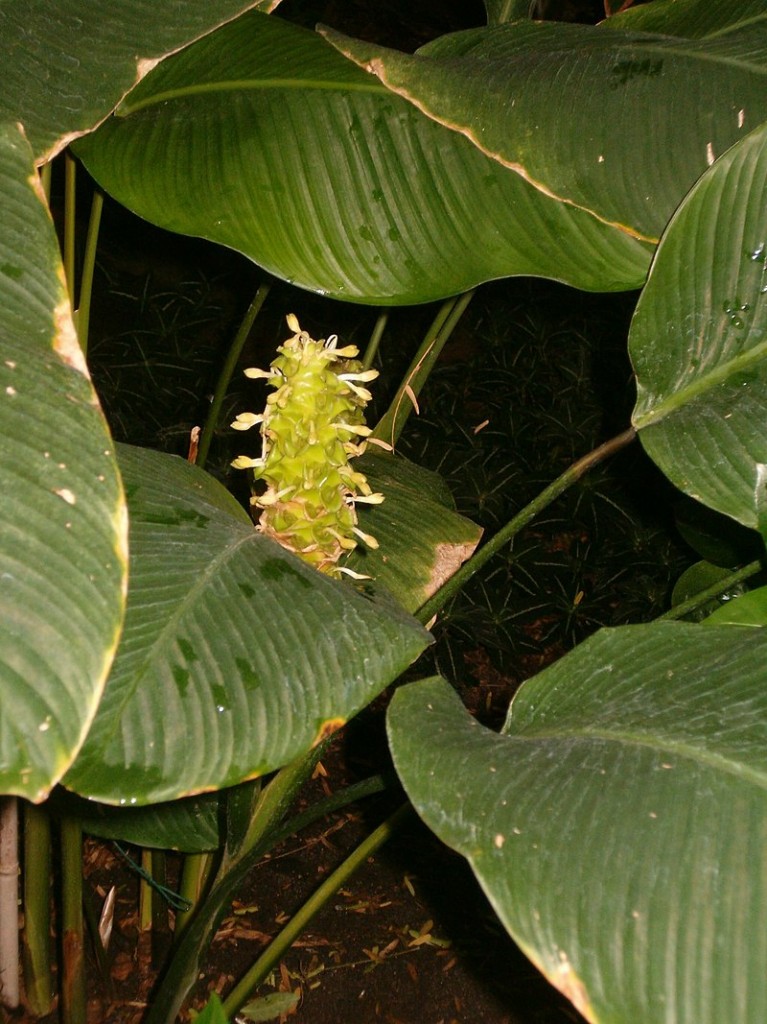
{"x":311,"y":428}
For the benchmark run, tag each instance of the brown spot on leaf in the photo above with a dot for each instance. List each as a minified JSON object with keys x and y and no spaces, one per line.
{"x":448,"y":558}
{"x":144,"y":66}
{"x":65,"y":343}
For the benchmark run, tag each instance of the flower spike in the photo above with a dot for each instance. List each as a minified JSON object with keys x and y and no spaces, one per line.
{"x":308,"y":500}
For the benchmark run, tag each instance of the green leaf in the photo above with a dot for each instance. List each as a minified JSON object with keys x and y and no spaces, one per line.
{"x":68,"y":63}
{"x":619,"y":124}
{"x":715,"y":537}
{"x":693,"y":19}
{"x":618,"y":826}
{"x":62,"y":514}
{"x":269,"y":1007}
{"x":698,"y":343}
{"x":319,"y":174}
{"x":748,"y":610}
{"x":698,"y":578}
{"x":422,"y":539}
{"x":212,"y":1012}
{"x":190,"y":825}
{"x":236,"y":657}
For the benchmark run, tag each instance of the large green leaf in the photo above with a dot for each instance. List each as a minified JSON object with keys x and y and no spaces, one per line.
{"x":235,"y":658}
{"x":621,"y":124}
{"x":691,"y":18}
{"x":619,"y":825}
{"x":68,"y":63}
{"x":699,"y":338}
{"x":62,"y":516}
{"x":315,"y":171}
{"x":422,"y":539}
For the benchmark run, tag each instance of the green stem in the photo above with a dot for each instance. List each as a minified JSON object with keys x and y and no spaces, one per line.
{"x":375,"y":340}
{"x":570,"y":476}
{"x":285,"y":939}
{"x":394,"y":419}
{"x":70,"y":211}
{"x":37,"y":910}
{"x":73,"y":992}
{"x":690,"y":605}
{"x":194,"y":877}
{"x":160,"y":922}
{"x":89,"y":263}
{"x":145,"y":893}
{"x":45,"y":180}
{"x":222,"y":384}
{"x":9,"y":899}
{"x":272,"y":805}
{"x":349,"y":795}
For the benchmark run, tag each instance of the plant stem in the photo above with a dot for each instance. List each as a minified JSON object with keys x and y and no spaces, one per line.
{"x":375,"y":340}
{"x":194,"y":876}
{"x":224,"y":378}
{"x":285,"y":939}
{"x":70,"y":190}
{"x":271,"y":807}
{"x":37,"y":910}
{"x":348,"y":795}
{"x":392,"y":422}
{"x":570,"y":476}
{"x":145,"y":910}
{"x":160,"y":922}
{"x":89,"y":263}
{"x":9,"y":900}
{"x":737,"y":576}
{"x":45,"y":180}
{"x":73,"y":992}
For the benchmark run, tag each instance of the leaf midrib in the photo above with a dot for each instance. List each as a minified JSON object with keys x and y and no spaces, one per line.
{"x":166,"y":635}
{"x":682,"y":396}
{"x":665,"y":746}
{"x":250,"y":85}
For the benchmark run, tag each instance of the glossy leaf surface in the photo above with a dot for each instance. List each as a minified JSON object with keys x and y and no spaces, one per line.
{"x":62,"y":515}
{"x":574,"y":109}
{"x":748,"y":610}
{"x":190,"y":825}
{"x":698,"y":340}
{"x":235,"y":658}
{"x":693,"y":19}
{"x":316,"y":172}
{"x":68,"y":63}
{"x":699,"y":577}
{"x":617,"y":825}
